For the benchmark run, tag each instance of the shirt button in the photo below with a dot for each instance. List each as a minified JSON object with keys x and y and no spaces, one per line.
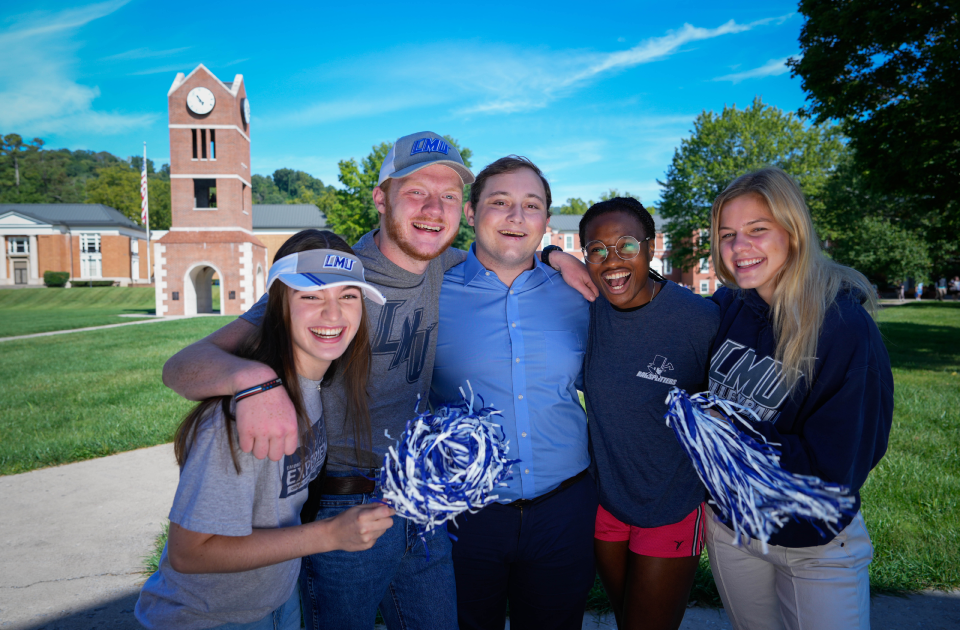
{"x":514,"y":324}
{"x":487,"y":274}
{"x":520,"y":396}
{"x":511,"y":291}
{"x":527,"y":471}
{"x":524,"y":434}
{"x":518,"y":359}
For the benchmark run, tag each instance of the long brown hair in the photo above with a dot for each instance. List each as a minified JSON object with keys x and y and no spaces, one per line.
{"x":271,"y":345}
{"x":807,"y":283}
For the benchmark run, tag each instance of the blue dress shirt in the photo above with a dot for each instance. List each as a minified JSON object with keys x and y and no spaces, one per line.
{"x":522,"y":349}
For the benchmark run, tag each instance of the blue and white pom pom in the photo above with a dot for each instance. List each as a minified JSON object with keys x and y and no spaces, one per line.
{"x":742,"y":472}
{"x":446,"y":462}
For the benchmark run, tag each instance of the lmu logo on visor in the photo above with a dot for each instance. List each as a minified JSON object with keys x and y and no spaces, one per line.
{"x":338,"y":262}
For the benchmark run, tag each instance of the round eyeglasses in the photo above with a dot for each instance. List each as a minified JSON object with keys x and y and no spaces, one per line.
{"x":627,"y":248}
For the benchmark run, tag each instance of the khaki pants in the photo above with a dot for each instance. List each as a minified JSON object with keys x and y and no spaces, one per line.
{"x":810,"y":588}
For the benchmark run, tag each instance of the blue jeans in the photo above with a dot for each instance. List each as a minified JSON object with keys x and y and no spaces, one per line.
{"x":287,"y":617}
{"x":343,"y":589}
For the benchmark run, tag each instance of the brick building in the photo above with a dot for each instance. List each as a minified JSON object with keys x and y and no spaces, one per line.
{"x":210,"y":201}
{"x":89,"y":241}
{"x":564,"y":232}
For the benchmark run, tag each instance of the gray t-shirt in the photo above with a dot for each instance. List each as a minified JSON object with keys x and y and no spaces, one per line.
{"x":212,"y":498}
{"x":403,"y":336}
{"x":633,"y":359}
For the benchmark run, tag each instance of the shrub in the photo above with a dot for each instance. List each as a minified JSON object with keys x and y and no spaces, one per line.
{"x":91,"y":283}
{"x":56,"y":278}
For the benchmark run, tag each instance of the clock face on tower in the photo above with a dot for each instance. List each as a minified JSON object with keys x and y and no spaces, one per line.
{"x":200,"y":100}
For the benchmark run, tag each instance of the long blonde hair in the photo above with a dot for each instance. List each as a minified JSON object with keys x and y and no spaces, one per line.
{"x":808,"y":282}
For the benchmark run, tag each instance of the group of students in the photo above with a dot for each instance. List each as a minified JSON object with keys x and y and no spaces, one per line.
{"x":790,"y":335}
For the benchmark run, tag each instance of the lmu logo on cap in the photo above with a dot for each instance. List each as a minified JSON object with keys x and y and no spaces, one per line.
{"x":429,"y":145}
{"x":338,"y":262}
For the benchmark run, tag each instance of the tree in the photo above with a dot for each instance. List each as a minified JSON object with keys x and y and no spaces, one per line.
{"x":354,"y":214}
{"x":883,"y":251}
{"x":889,"y":70}
{"x":118,"y":186}
{"x":725,"y":146}
{"x":575,"y":205}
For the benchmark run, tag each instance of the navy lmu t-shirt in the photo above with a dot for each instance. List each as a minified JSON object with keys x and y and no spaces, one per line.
{"x":633,"y":359}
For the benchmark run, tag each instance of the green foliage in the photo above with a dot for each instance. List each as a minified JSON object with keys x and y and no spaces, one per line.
{"x":56,"y":278}
{"x":725,"y":146}
{"x":290,"y":186}
{"x":151,"y":562}
{"x":353,"y":213}
{"x":118,"y":186}
{"x":888,"y":70}
{"x":883,"y":251}
{"x":575,"y":205}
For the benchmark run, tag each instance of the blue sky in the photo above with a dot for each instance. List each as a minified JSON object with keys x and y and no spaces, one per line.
{"x":598,"y":94}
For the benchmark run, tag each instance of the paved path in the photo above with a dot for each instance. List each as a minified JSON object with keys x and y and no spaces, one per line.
{"x":72,"y":540}
{"x":152,"y":320}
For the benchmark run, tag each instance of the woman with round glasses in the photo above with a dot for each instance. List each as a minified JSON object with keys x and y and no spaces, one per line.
{"x":647,"y":335}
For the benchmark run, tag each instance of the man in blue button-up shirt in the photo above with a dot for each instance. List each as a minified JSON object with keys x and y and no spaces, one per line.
{"x":517,"y":332}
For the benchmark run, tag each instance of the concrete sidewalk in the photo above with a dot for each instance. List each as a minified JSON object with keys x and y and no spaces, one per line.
{"x":72,"y":539}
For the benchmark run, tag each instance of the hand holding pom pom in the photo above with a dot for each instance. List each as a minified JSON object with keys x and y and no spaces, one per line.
{"x":742,"y":471}
{"x":446,"y":463}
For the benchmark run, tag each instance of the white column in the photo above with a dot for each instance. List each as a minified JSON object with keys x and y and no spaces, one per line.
{"x":3,"y":260}
{"x":34,"y":261}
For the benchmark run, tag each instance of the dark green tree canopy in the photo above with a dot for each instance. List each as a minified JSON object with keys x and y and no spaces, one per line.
{"x":889,"y":70}
{"x":726,"y":145}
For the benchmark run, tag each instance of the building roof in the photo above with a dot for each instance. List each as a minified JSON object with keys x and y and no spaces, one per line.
{"x":571,"y":222}
{"x":287,"y":216}
{"x":565,"y":222}
{"x":72,"y":214}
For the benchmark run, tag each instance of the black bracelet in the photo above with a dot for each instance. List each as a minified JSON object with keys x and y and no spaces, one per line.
{"x":545,"y":254}
{"x":257,"y":389}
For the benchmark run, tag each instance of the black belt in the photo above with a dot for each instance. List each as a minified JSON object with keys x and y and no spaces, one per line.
{"x":347,"y":485}
{"x":522,"y":503}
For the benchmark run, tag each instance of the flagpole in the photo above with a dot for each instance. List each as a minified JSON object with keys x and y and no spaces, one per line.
{"x":145,"y":210}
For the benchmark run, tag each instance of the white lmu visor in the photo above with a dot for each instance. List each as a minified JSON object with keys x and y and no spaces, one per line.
{"x":317,"y":269}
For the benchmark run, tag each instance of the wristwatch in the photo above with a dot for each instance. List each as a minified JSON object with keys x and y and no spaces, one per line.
{"x":545,"y":254}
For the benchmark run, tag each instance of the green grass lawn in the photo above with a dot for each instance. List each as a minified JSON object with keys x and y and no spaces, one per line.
{"x":27,"y":311}
{"x":71,"y":397}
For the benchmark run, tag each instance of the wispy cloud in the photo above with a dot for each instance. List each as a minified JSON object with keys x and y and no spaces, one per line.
{"x":40,"y":93}
{"x":145,"y":53}
{"x":772,"y":68}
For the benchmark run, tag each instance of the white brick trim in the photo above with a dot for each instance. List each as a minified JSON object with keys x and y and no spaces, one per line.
{"x":209,"y":176}
{"x":160,"y":273}
{"x":246,"y":276}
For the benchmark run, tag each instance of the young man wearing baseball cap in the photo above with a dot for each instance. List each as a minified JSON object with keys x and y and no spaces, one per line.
{"x":419,"y":198}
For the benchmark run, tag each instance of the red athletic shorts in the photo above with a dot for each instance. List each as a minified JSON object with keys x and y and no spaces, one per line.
{"x":679,"y":540}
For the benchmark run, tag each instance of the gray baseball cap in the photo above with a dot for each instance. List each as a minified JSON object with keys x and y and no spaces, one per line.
{"x":419,"y":150}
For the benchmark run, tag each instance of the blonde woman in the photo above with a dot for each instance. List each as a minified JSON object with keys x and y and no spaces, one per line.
{"x":798,"y":345}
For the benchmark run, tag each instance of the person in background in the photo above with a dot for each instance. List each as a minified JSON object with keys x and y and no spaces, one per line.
{"x":232,"y":558}
{"x":797,"y":345}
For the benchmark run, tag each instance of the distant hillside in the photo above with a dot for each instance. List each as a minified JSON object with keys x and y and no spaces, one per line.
{"x":31,"y":173}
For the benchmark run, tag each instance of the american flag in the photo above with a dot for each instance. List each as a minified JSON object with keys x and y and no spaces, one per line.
{"x":143,"y":190}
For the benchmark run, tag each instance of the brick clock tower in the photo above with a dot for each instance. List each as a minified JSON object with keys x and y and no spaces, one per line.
{"x":210,"y":201}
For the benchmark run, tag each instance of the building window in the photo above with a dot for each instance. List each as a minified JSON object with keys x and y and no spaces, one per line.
{"x":704,"y":265}
{"x":704,"y":286}
{"x":134,"y":246}
{"x":545,"y":241}
{"x":19,"y":245}
{"x":194,"y":133}
{"x":91,"y":260}
{"x":204,"y":193}
{"x":213,"y":144}
{"x":667,"y":267}
{"x":666,"y":241}
{"x":568,"y":242}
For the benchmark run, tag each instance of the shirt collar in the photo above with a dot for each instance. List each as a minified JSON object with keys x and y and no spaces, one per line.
{"x":473,"y":268}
